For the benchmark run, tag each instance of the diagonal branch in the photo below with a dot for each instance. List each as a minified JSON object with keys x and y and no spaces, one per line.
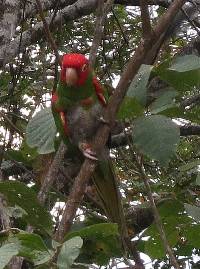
{"x":128,"y":74}
{"x":47,"y":32}
{"x":6,"y":118}
{"x":102,"y":11}
{"x":69,"y":13}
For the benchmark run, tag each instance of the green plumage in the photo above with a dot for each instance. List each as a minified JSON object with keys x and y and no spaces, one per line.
{"x":83,"y":123}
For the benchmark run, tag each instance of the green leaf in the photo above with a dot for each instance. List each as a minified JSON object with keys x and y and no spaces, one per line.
{"x":41,"y":131}
{"x":98,"y":231}
{"x":185,"y":249}
{"x":154,"y":247}
{"x":100,"y":243}
{"x":186,"y":63}
{"x":193,"y":211}
{"x":191,"y":235}
{"x":69,"y":252}
{"x":138,"y":87}
{"x":156,"y":136}
{"x":7,"y":251}
{"x":189,"y":166}
{"x":32,"y":247}
{"x":19,"y":194}
{"x":182,"y":81}
{"x":129,"y":109}
{"x":163,"y":102}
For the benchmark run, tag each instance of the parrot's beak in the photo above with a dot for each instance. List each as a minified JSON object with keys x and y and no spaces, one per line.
{"x":71,"y":76}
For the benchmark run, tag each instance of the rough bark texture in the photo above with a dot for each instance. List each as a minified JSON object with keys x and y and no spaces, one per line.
{"x":11,"y":14}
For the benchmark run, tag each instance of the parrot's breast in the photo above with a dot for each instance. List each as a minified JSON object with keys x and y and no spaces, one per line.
{"x":83,"y":123}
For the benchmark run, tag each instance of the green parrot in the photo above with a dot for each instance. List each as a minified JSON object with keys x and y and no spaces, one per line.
{"x":77,"y":106}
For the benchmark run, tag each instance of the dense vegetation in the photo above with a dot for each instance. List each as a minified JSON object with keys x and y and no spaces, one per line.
{"x":155,"y":152}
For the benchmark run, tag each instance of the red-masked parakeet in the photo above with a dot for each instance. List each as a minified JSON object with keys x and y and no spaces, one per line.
{"x":77,"y":105}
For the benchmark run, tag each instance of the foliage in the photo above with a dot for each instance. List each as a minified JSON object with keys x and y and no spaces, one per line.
{"x":152,"y":112}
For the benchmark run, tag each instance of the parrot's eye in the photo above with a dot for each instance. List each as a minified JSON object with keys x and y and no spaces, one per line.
{"x":84,"y":67}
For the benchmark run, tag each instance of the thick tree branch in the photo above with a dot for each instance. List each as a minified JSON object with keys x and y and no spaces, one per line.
{"x":72,"y":12}
{"x":163,"y":3}
{"x":88,"y":166}
{"x":77,"y":9}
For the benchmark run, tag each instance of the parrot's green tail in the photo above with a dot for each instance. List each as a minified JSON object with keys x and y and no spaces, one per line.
{"x":105,"y":181}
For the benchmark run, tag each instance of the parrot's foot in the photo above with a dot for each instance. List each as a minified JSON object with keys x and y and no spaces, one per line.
{"x":87,"y":151}
{"x":102,"y":120}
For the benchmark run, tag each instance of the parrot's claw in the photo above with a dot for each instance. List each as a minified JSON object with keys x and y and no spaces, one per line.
{"x":88,"y":153}
{"x":102,"y":120}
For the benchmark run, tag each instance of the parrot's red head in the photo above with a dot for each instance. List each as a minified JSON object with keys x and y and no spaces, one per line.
{"x":75,"y":69}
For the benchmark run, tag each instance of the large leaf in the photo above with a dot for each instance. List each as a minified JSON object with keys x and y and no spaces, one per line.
{"x":41,"y":131}
{"x":19,"y":194}
{"x":156,"y":136}
{"x":130,"y":108}
{"x":186,"y":63}
{"x":138,"y":87}
{"x":181,"y":81}
{"x":180,"y":76}
{"x":69,"y":252}
{"x":193,"y":211}
{"x":7,"y":251}
{"x":191,"y":233}
{"x":163,"y":102}
{"x":32,"y":247}
{"x":100,"y":243}
{"x":154,"y":246}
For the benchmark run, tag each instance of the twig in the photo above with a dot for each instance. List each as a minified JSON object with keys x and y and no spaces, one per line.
{"x":156,"y":215}
{"x":6,"y":118}
{"x":102,"y":11}
{"x":191,"y":101}
{"x":120,"y":28}
{"x":52,"y":173}
{"x":47,"y":31}
{"x":189,"y":20}
{"x":76,"y":195}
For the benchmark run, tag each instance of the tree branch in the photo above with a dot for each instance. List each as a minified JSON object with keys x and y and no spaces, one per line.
{"x":146,"y":21}
{"x":6,"y":118}
{"x":52,"y":173}
{"x":71,"y":10}
{"x":69,"y":13}
{"x":47,"y":32}
{"x":102,"y":11}
{"x":123,"y":138}
{"x":191,"y":101}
